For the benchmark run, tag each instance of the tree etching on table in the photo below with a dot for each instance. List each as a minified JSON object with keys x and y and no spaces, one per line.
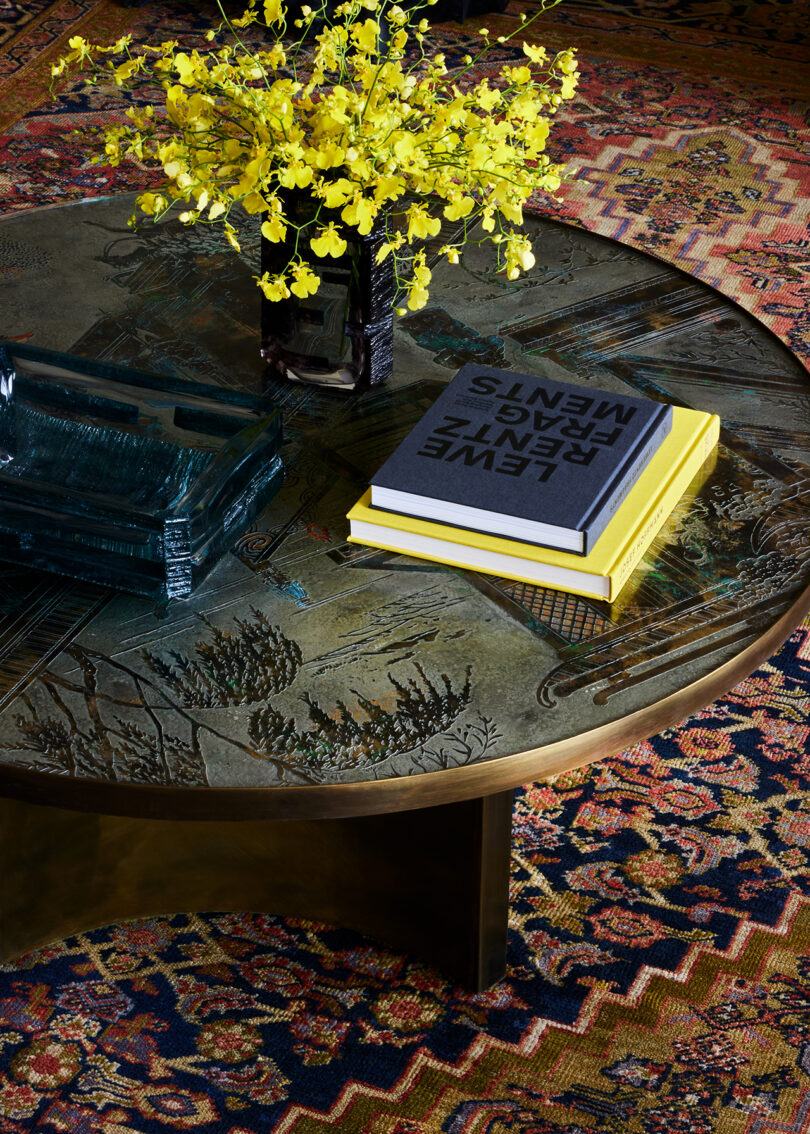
{"x":465,"y":745}
{"x":114,"y":723}
{"x":345,"y":739}
{"x":252,"y":663}
{"x":117,"y":750}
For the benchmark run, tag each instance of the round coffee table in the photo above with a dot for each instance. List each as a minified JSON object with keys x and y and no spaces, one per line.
{"x":382,"y":707}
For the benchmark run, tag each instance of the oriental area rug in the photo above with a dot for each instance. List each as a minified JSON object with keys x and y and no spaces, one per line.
{"x":659,"y":952}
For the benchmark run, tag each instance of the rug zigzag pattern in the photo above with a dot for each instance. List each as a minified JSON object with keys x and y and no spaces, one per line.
{"x":612,"y":1026}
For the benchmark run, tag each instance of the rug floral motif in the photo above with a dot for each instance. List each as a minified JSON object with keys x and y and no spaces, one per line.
{"x":659,"y":950}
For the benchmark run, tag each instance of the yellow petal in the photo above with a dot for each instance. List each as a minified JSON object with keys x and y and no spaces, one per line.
{"x":338,"y":192}
{"x":305,"y":283}
{"x":461,"y":207}
{"x":274,"y":229}
{"x":535,"y":53}
{"x":274,"y":11}
{"x":328,"y":242}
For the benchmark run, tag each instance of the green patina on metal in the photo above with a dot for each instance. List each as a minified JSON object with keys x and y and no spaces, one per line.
{"x":304,"y":659}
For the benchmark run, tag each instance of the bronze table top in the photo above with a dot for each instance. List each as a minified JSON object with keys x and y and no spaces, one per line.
{"x":309,"y":677}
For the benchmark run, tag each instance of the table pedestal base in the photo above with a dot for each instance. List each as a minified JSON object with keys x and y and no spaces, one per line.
{"x":432,"y":882}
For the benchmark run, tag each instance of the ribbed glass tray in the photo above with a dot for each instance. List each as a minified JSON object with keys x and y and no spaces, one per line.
{"x":135,"y":480}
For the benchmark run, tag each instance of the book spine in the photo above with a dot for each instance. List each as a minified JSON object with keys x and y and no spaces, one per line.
{"x":459,"y":557}
{"x":664,"y":507}
{"x":623,"y":480}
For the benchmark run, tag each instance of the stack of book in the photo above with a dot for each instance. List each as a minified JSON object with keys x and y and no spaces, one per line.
{"x":532,"y":479}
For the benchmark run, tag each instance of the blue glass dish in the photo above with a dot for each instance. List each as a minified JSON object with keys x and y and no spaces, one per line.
{"x":134,"y":480}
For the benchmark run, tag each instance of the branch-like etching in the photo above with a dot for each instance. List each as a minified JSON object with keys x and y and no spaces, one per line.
{"x":105,"y":742}
{"x":463,"y":746}
{"x":59,"y":747}
{"x":121,"y":750}
{"x":144,"y":683}
{"x":104,"y":751}
{"x":345,"y":740}
{"x":242,"y":667}
{"x":147,"y":754}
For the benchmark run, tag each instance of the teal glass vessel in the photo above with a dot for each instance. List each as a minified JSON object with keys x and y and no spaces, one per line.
{"x":135,"y":480}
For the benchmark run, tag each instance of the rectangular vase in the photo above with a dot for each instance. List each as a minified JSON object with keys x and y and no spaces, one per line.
{"x":343,"y":335}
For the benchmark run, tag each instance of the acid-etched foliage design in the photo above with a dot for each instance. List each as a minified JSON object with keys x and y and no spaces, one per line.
{"x":107,"y":747}
{"x":341,"y":739}
{"x":144,"y":752}
{"x":250,"y":664}
{"x":113,"y":722}
{"x":464,"y":745}
{"x":59,"y":748}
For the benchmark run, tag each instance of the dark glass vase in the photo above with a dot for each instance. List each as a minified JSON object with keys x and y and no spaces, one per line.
{"x":343,"y":335}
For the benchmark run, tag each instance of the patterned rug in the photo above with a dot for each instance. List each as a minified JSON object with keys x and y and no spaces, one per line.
{"x":659,"y":952}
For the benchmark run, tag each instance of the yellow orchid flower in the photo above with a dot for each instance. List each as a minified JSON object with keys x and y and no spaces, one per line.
{"x":328,"y":156}
{"x":152,"y":203}
{"x":403,"y":145}
{"x":344,"y":118}
{"x":273,"y":287}
{"x":305,"y":282}
{"x":296,"y":177}
{"x":186,"y":70}
{"x":459,"y":207}
{"x":517,"y":75}
{"x":274,"y":11}
{"x":487,"y":98}
{"x":389,"y":188}
{"x":274,"y":229}
{"x":536,"y":54}
{"x":328,"y":242}
{"x":360,"y":213}
{"x":230,"y":233}
{"x":337,"y":193}
{"x":79,"y":46}
{"x":365,"y":35}
{"x":421,"y":224}
{"x":519,"y":255}
{"x":392,"y":245}
{"x":418,"y":286}
{"x":125,"y":71}
{"x":537,"y":134}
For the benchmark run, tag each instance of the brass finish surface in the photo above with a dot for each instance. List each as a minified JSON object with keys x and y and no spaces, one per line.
{"x":308,"y":677}
{"x":385,"y":796}
{"x":433,"y":882}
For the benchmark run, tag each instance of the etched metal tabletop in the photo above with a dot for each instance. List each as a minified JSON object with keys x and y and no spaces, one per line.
{"x":305,"y":663}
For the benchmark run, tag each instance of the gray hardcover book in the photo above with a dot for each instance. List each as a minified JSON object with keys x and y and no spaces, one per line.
{"x":522,"y":456}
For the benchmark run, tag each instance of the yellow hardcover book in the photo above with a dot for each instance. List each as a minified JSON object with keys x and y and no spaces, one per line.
{"x":600,"y":574}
